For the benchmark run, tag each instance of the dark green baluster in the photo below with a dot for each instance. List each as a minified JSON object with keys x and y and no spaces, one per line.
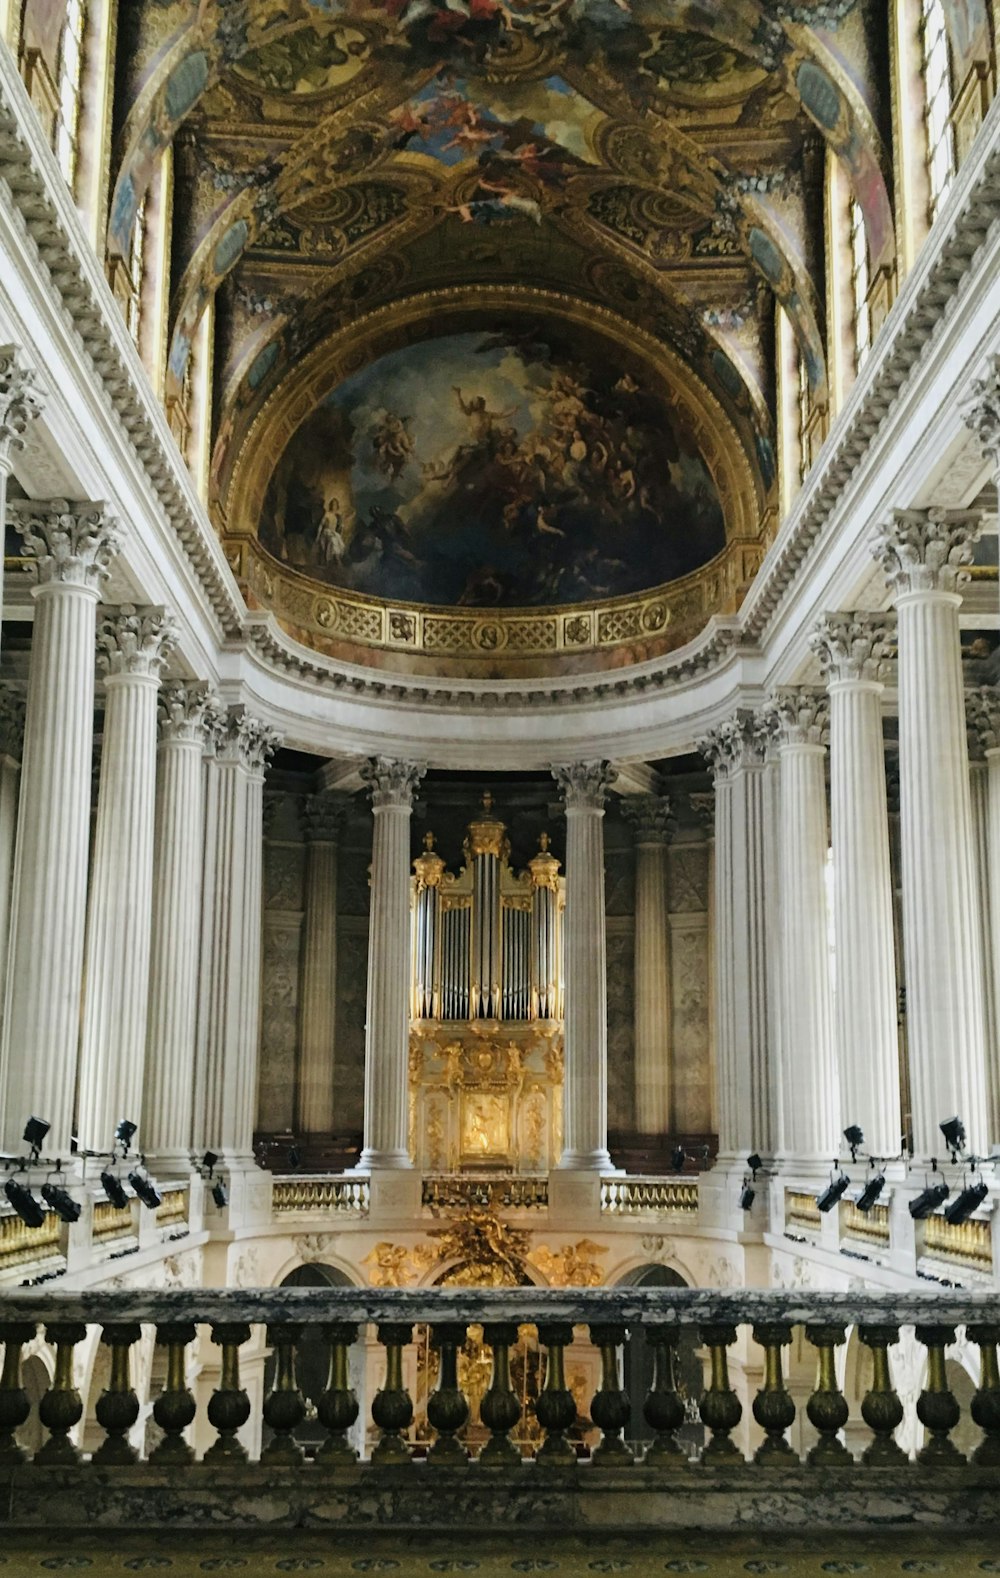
{"x":720,"y":1407}
{"x":555,"y":1409}
{"x":175,"y":1407}
{"x":881,"y":1409}
{"x":229,"y":1405}
{"x":447,"y":1406}
{"x":986,"y":1403}
{"x":118,"y":1407}
{"x":937,"y":1405}
{"x":827,"y":1407}
{"x":773,"y":1407}
{"x":610,"y":1408}
{"x":337,"y":1408}
{"x":663,"y":1407}
{"x":392,"y":1407}
{"x":500,"y":1409}
{"x":284,"y":1406}
{"x":14,"y":1405}
{"x":61,"y":1408}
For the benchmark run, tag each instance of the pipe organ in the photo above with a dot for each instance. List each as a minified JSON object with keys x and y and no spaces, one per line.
{"x":486,"y":1005}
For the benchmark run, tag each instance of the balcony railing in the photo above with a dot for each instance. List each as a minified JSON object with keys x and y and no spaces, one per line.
{"x":298,"y":1192}
{"x":460,"y":1191}
{"x":641,"y":1196}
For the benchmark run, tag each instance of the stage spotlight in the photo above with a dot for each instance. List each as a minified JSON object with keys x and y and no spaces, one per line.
{"x":747,"y":1195}
{"x":870,"y":1193}
{"x":24,"y":1203}
{"x":678,"y":1156}
{"x":209,"y":1160}
{"x":35,"y":1131}
{"x":66,"y":1208}
{"x":953,"y":1130}
{"x":124,"y":1131}
{"x":833,"y":1191}
{"x":754,"y":1163}
{"x":855,"y":1137}
{"x":112,"y":1187}
{"x":926,"y":1203}
{"x":966,"y":1202}
{"x":146,"y":1191}
{"x":219,"y":1194}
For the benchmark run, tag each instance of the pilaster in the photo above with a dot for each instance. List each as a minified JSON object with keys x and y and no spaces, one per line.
{"x":323,"y":815}
{"x":653,"y":823}
{"x":983,"y":716}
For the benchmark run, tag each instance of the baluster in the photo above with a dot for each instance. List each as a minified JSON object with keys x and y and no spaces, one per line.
{"x":175,"y":1407}
{"x":720,"y":1408}
{"x":827,"y":1407}
{"x":447,"y":1406}
{"x":392,"y":1408}
{"x":229,"y":1405}
{"x":500,"y":1408}
{"x":986,"y":1402}
{"x":337,"y":1408}
{"x":937,"y":1405}
{"x":556,"y":1406}
{"x":14,"y":1405}
{"x":663,"y":1408}
{"x":881,"y":1409}
{"x":61,"y":1408}
{"x":118,"y":1407}
{"x":773,"y":1407}
{"x":284,"y":1406}
{"x":610,"y":1408}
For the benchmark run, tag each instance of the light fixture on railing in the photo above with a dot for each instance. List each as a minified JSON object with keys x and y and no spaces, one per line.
{"x":967,"y":1201}
{"x":219,"y":1194}
{"x":24,"y":1202}
{"x":871,"y":1191}
{"x":834,"y":1190}
{"x":125,"y":1130}
{"x":953,"y":1130}
{"x":854,"y":1134}
{"x":748,"y":1195}
{"x":114,"y":1189}
{"x":62,"y":1203}
{"x":35,"y":1131}
{"x":933,"y":1195}
{"x":145,"y":1188}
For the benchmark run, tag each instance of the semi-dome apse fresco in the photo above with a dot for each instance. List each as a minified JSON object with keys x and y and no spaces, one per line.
{"x":494,"y":467}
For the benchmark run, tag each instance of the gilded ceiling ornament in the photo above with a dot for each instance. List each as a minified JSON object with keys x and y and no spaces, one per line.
{"x":572,"y":1266}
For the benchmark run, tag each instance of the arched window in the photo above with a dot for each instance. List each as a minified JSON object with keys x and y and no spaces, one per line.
{"x":70,"y":73}
{"x":937,"y":84}
{"x":860,"y":282}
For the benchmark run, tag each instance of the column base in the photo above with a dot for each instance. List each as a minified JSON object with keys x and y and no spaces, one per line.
{"x":587,"y":1161}
{"x":172,"y":1164}
{"x":378,"y":1161}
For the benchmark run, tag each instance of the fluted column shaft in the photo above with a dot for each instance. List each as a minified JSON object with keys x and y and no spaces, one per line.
{"x":387,"y":1026}
{"x":653,"y":826}
{"x":177,"y":880}
{"x":12,"y":704}
{"x":922,"y":552}
{"x":585,"y":1086}
{"x":318,"y":996}
{"x":983,"y":715}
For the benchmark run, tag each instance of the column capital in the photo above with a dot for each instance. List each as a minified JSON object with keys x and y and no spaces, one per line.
{"x":584,"y":785}
{"x":21,"y":400}
{"x":801,"y":715}
{"x":323,"y":816}
{"x":979,"y":409}
{"x":246,"y":740}
{"x":742,"y":741}
{"x":73,"y":543}
{"x":391,"y":783}
{"x":982,"y":716}
{"x":651,"y":817}
{"x":853,"y":646}
{"x":13,"y":702}
{"x":135,"y":641}
{"x":186,"y":711}
{"x":926,"y":550}
{"x":702,"y":804}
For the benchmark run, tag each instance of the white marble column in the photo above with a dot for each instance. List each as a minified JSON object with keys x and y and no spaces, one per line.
{"x":185,"y":712}
{"x":922,"y":553}
{"x":132,"y":646}
{"x":585,"y":1082}
{"x":744,"y":857}
{"x":807,"y":1076}
{"x":322,"y":817}
{"x":387,"y":1026}
{"x":851,"y":648}
{"x":12,"y":705}
{"x":228,"y":1034}
{"x":20,"y":402}
{"x":73,"y":546}
{"x":983,"y":711}
{"x":653,"y":823}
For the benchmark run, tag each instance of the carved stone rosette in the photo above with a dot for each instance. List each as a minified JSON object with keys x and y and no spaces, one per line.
{"x":391,"y":783}
{"x":584,"y":785}
{"x":926,"y":550}
{"x":854,"y":646}
{"x":72,"y":543}
{"x":21,"y":401}
{"x":135,"y":641}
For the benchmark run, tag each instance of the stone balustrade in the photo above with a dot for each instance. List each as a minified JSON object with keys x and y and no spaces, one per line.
{"x":457,"y":1191}
{"x":303,"y":1192}
{"x":643,"y":1196}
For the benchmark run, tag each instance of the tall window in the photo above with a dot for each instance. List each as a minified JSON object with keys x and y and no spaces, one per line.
{"x":860,"y":282}
{"x":136,"y":263}
{"x":70,"y":72}
{"x":937,"y":87}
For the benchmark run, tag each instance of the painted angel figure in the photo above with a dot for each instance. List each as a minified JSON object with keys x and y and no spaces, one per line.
{"x":392,"y":442}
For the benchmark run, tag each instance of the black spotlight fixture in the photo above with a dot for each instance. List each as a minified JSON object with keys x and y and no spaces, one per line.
{"x":678,"y":1157}
{"x":953,"y":1130}
{"x":965,"y":1203}
{"x":66,"y":1208}
{"x":748,"y":1195}
{"x":754,"y":1163}
{"x":219,"y":1194}
{"x":112,"y":1187}
{"x":146,"y":1190}
{"x":35,"y":1131}
{"x":855,"y":1137}
{"x":124,"y":1131}
{"x":209,"y":1160}
{"x":833,"y":1192}
{"x":871,"y":1191}
{"x":927,"y":1202}
{"x":24,"y":1202}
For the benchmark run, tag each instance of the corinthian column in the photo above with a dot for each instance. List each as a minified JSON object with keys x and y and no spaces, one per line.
{"x":922,"y":553}
{"x":585,"y":1090}
{"x":12,"y":703}
{"x":851,"y":648}
{"x":653,"y":823}
{"x":983,"y":710}
{"x":809,"y":1096}
{"x":72,"y":546}
{"x":186,"y":712}
{"x":228,"y":1036}
{"x":20,"y":403}
{"x":387,"y":1027}
{"x":322,"y":816}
